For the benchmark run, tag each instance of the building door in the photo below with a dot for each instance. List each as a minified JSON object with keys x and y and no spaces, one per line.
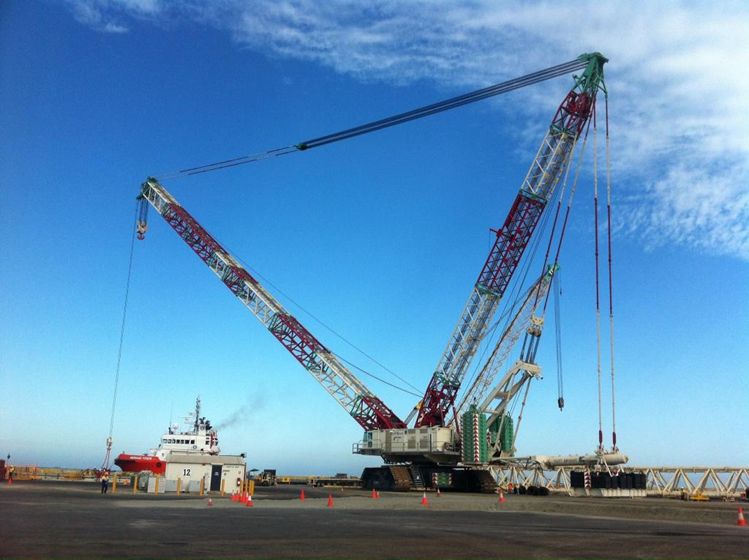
{"x":215,"y":478}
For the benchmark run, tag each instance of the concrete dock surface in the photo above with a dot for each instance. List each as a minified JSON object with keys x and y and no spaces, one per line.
{"x":73,"y":520}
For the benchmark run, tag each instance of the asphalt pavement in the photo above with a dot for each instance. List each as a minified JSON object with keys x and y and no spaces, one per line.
{"x":46,"y":520}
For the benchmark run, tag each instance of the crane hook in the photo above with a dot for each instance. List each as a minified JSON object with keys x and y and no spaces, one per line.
{"x":142,"y":222}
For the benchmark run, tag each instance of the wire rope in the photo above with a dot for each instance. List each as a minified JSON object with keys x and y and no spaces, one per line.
{"x":372,"y":375}
{"x":611,"y":288}
{"x":267,"y":281}
{"x":568,"y":210}
{"x":598,"y":298}
{"x":557,"y":287}
{"x":105,"y":464}
{"x":373,"y":126}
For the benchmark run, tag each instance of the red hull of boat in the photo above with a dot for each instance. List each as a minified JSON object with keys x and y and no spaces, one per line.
{"x":138,"y":463}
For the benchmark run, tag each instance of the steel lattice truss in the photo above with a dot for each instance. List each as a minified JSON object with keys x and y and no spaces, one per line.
{"x":368,"y":410}
{"x":512,"y":239}
{"x":484,"y":381}
{"x":712,"y":482}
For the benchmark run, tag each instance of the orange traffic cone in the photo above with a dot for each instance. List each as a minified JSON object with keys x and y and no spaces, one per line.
{"x":330,"y":500}
{"x":233,"y":496}
{"x":210,"y":502}
{"x":424,"y":501}
{"x":374,"y":494}
{"x":741,"y":522}
{"x":249,"y":501}
{"x":301,"y":495}
{"x":438,"y":492}
{"x":501,"y":499}
{"x":377,"y":494}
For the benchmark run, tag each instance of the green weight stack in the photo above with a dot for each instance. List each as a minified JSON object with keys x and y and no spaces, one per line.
{"x":475,"y":444}
{"x":505,"y":431}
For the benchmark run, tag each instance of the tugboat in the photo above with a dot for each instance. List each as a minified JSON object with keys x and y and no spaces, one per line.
{"x":201,"y":439}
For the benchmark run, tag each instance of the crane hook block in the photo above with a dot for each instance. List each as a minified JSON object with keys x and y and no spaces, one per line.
{"x":142,"y":221}
{"x":142,"y":227}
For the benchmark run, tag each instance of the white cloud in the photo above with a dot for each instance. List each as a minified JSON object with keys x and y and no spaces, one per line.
{"x":105,"y":16}
{"x":699,"y":208}
{"x":679,"y":103}
{"x":111,"y":27}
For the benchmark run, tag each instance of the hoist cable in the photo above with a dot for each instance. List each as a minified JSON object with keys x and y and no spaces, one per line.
{"x":434,"y":108}
{"x":122,"y":339}
{"x":330,"y":329}
{"x":372,"y":375}
{"x":611,"y":288}
{"x":478,"y":382}
{"x":573,"y":191}
{"x":508,"y":312}
{"x":557,"y":287}
{"x":598,"y":298}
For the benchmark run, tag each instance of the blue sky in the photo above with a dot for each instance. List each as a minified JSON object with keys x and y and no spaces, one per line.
{"x":380,"y":237}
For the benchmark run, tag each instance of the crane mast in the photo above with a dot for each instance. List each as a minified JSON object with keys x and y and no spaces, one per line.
{"x":366,"y":408}
{"x":525,"y":315}
{"x":511,"y":241}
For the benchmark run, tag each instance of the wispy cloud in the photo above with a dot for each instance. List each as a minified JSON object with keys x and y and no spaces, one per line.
{"x":679,"y":103}
{"x":106,"y":16}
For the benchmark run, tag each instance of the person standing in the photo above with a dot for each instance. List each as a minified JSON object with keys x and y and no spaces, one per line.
{"x":104,"y":482}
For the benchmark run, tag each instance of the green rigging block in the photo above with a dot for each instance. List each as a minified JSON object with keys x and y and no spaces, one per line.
{"x":592,"y":77}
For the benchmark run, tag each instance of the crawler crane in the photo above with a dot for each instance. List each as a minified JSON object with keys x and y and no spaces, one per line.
{"x":431,"y":450}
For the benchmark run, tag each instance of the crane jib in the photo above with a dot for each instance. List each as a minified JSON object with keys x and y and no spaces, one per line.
{"x":368,"y":410}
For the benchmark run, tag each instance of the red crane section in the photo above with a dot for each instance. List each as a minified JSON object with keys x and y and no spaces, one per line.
{"x":511,"y":241}
{"x":366,"y":408}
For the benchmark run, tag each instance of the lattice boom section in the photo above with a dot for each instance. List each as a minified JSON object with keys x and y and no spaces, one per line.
{"x":367,"y":410}
{"x":297,"y":340}
{"x":464,"y":341}
{"x":552,"y":158}
{"x":574,"y":112}
{"x":371,"y":413}
{"x":493,"y":280}
{"x":512,"y":239}
{"x":510,"y":244}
